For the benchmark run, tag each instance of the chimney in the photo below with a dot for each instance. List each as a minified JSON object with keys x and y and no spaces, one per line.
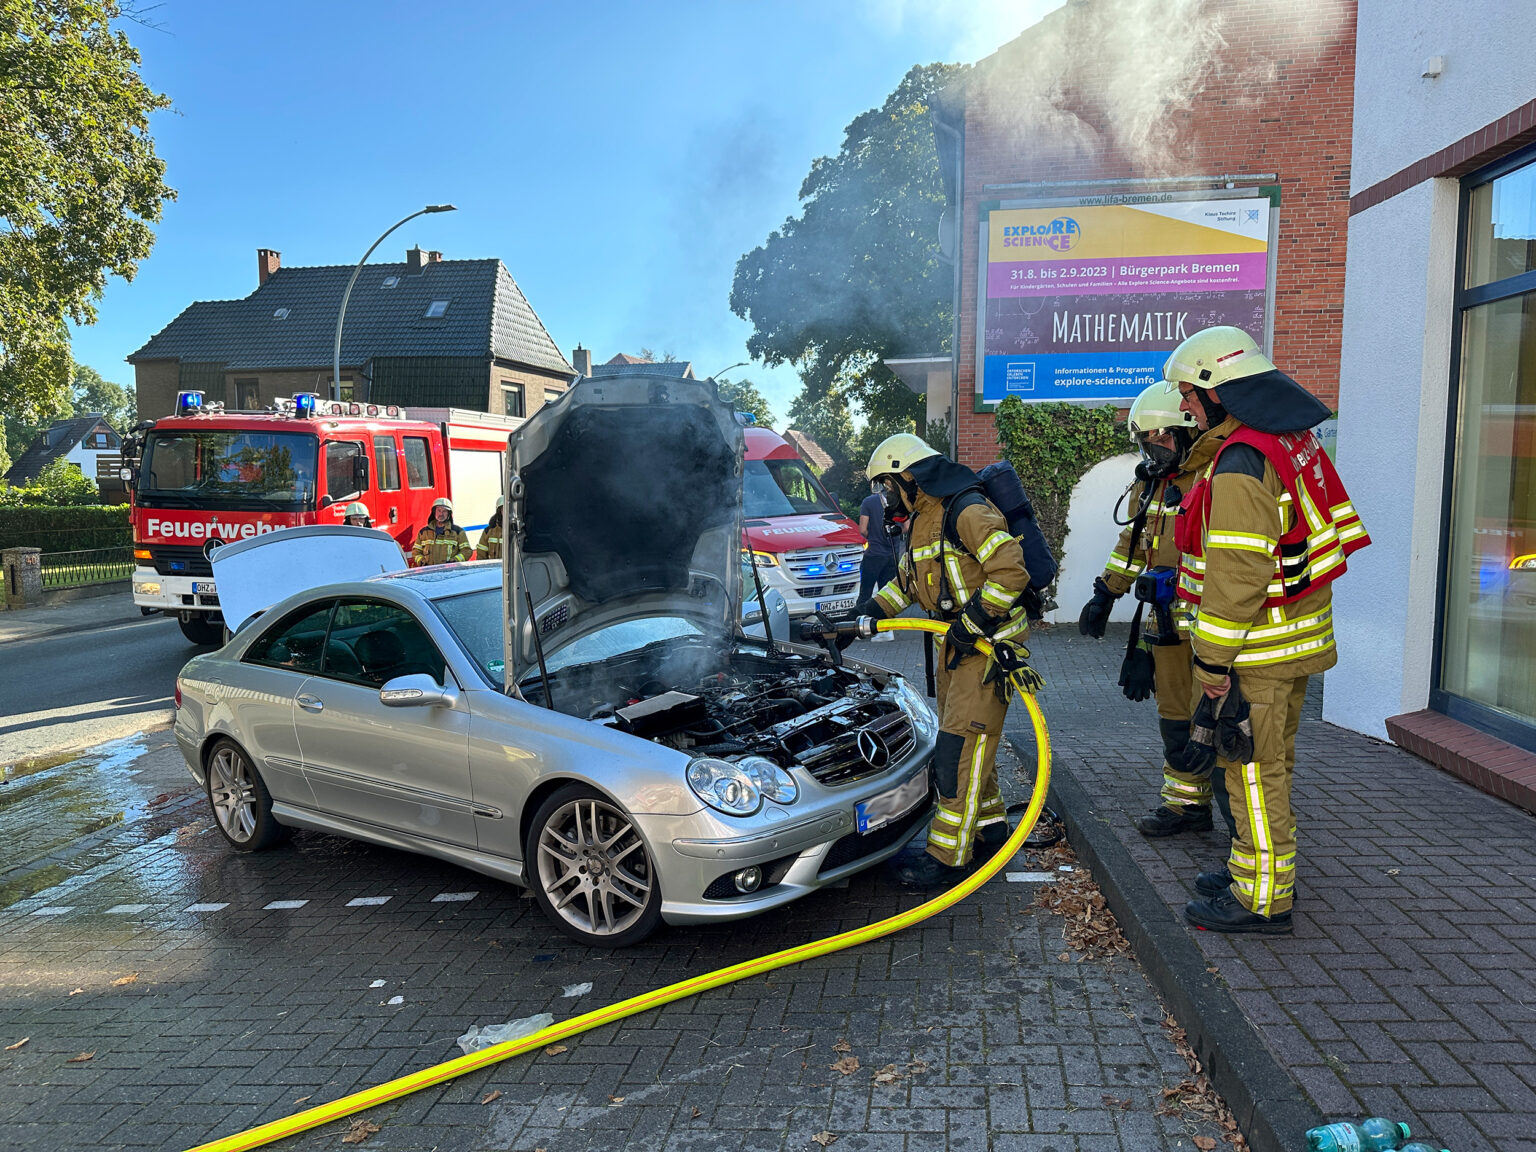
{"x":434,"y":257}
{"x":582,"y":360}
{"x":415,"y":259}
{"x":267,"y":262}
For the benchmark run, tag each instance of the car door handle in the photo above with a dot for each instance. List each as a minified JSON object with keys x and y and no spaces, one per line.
{"x":311,"y":703}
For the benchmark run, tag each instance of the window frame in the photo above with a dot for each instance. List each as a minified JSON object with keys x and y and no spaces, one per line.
{"x":1496,"y":722}
{"x":448,"y":679}
{"x":361,"y":450}
{"x":426,"y":447}
{"x":510,"y":388}
{"x":386,"y":440}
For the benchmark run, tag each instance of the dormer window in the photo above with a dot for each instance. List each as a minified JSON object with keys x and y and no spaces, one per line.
{"x":436,"y":310}
{"x":280,"y":314}
{"x":390,"y":282}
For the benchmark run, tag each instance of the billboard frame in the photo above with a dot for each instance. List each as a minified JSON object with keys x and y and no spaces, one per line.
{"x":1270,"y":192}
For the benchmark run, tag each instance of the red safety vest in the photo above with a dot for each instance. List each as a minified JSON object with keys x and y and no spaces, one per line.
{"x":1325,"y":528}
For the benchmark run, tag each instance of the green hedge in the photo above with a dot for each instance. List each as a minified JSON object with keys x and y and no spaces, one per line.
{"x":65,"y":529}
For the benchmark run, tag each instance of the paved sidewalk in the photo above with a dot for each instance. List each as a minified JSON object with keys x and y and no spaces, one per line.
{"x":80,"y":615}
{"x":1409,"y":987}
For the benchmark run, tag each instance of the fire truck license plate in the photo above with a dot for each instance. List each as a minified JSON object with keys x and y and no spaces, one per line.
{"x":203,"y":587}
{"x":830,"y":606}
{"x":878,"y":811}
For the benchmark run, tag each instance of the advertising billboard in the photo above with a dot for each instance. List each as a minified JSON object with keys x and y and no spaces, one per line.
{"x":1085,"y":299}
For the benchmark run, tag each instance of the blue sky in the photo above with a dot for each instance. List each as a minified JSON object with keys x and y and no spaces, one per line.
{"x":618,"y":158}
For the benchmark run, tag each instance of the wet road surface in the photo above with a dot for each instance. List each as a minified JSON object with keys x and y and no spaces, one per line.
{"x":170,"y":991}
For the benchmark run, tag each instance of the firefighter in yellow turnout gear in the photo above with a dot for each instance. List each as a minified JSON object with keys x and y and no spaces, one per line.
{"x":1174,"y":454}
{"x":440,"y":540}
{"x":1263,"y":536}
{"x":491,"y":539}
{"x":976,"y":589}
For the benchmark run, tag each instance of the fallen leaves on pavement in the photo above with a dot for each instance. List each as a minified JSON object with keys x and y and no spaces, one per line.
{"x":131,"y":978}
{"x":1205,"y":1143}
{"x":359,"y":1131}
{"x":696,"y":1113}
{"x":824,"y":1138}
{"x":848,"y":1065}
{"x":77,"y":991}
{"x":1088,"y":926}
{"x":842,"y":1046}
{"x":18,"y":1044}
{"x":887,"y":1075}
{"x":1193,"y":1097}
{"x":555,"y":1049}
{"x":615,"y":1101}
{"x":82,"y":1058}
{"x":489,"y":1096}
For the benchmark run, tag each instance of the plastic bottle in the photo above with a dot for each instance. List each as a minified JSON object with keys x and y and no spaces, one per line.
{"x":1376,"y":1134}
{"x":1416,"y":1146}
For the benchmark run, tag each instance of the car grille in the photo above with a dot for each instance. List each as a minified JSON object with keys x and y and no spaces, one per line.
{"x":816,"y":591}
{"x":856,"y":846}
{"x":838,"y":760}
{"x":179,"y":560}
{"x":812,"y":564}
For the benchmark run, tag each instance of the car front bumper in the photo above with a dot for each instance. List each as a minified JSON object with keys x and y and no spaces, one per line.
{"x":153,"y":590}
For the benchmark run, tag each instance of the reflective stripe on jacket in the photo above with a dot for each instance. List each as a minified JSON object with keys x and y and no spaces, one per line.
{"x":992,"y":564}
{"x":433,"y":547}
{"x":490,"y":545}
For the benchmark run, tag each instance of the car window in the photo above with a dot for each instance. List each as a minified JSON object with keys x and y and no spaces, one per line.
{"x":386,"y":463}
{"x":475,"y":619}
{"x":371,"y":642}
{"x":297,"y":641}
{"x":418,"y":462}
{"x":340,"y":472}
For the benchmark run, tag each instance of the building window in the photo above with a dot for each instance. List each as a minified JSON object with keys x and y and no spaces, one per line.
{"x":436,"y":310}
{"x":550,"y":395}
{"x":245,"y":395}
{"x":346,"y":391}
{"x":1487,"y":668}
{"x":512,"y":399}
{"x":101,"y":440}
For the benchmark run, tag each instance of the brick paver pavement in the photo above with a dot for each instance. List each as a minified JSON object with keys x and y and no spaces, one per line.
{"x":1409,"y":987}
{"x":217,"y":990}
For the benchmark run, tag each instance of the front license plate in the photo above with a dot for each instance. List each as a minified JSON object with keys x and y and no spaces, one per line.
{"x":878,"y":811}
{"x":203,"y":587}
{"x":830,"y":606}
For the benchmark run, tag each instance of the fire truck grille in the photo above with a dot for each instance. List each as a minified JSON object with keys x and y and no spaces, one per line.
{"x":179,"y":560}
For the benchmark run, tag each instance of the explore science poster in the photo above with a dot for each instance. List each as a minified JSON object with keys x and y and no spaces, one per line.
{"x":1086,"y":301}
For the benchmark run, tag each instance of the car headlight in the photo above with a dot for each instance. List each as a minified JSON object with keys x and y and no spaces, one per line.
{"x":1524,"y":563}
{"x":764,"y":559}
{"x":725,"y":787}
{"x":917,"y":707}
{"x":771,"y":780}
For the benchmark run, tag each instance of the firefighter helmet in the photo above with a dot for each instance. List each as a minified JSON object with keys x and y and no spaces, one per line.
{"x":355,"y":508}
{"x":1155,"y":411}
{"x":1214,"y":356}
{"x":501,"y":502}
{"x":442,"y":502}
{"x":895,"y":454}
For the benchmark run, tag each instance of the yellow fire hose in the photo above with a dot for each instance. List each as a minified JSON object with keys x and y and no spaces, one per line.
{"x":415,"y":1081}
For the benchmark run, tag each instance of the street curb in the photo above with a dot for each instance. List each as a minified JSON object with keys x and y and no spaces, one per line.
{"x":1270,"y":1108}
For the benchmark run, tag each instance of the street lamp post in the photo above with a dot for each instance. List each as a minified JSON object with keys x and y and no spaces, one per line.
{"x":723,"y":371}
{"x":341,"y":313}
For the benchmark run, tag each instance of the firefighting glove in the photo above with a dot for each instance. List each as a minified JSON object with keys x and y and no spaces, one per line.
{"x":1219,"y":727}
{"x":974,"y":623}
{"x":1095,"y":615}
{"x":1137,"y":679}
{"x":871,"y":608}
{"x":1009,"y":667}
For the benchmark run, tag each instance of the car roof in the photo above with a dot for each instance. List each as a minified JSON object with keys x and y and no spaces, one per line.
{"x":438,"y":581}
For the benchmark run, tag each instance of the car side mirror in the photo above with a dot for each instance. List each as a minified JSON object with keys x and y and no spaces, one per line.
{"x":417,"y":691}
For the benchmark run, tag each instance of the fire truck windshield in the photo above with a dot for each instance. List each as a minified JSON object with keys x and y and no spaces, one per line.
{"x":781,"y":488}
{"x":229,"y":469}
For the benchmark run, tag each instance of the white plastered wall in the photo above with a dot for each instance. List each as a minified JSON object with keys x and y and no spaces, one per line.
{"x":1091,"y":536}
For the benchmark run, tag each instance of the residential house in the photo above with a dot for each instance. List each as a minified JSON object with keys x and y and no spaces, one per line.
{"x":626,"y":365}
{"x":431,"y":332}
{"x":88,"y":442}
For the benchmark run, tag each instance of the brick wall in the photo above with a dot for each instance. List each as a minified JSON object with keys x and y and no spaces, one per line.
{"x":1277,"y":97}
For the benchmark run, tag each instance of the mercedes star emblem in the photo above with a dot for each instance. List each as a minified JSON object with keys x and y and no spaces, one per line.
{"x":208,"y":548}
{"x":873,"y":749}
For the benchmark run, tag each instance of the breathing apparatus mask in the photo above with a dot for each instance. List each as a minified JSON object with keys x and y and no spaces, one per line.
{"x":895,"y":510}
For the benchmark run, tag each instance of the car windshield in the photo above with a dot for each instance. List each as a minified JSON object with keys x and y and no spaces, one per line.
{"x":781,"y":488}
{"x":229,"y":467}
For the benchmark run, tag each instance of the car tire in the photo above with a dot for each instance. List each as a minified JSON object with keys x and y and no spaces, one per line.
{"x":239,"y":800}
{"x":202,"y":628}
{"x":590,"y":870}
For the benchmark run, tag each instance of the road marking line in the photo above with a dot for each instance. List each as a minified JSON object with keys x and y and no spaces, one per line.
{"x":284,"y":905}
{"x":53,"y":910}
{"x":453,"y":897}
{"x":205,"y":907}
{"x":368,"y":901}
{"x":1028,"y":877}
{"x":128,"y":909}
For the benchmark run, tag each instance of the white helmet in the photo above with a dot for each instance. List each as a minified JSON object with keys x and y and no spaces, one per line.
{"x":898,"y":453}
{"x":356,"y":508}
{"x":442,"y":502}
{"x":1156,"y":411}
{"x":1213,"y":356}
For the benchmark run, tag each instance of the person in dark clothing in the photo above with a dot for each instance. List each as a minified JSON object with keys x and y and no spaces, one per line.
{"x":878,"y":565}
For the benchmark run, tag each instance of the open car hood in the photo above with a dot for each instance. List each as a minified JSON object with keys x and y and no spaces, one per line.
{"x":629,"y":496}
{"x":254,"y":574}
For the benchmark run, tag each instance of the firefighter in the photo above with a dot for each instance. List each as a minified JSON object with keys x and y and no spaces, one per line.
{"x":356,"y":515}
{"x":1173,"y":455}
{"x":975,"y":587}
{"x":1263,"y":535}
{"x":440,"y":540}
{"x":489,"y":547}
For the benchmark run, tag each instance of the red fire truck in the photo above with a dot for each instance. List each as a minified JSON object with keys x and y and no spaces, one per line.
{"x":205,"y":476}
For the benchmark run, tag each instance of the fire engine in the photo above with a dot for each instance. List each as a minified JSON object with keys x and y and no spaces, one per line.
{"x":204,"y":477}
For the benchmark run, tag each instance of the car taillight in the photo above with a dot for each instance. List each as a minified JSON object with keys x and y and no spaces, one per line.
{"x":178,"y":693}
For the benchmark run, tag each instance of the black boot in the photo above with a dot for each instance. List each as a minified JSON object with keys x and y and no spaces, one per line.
{"x":1224,"y":914}
{"x":926,"y":872}
{"x":1166,"y":821}
{"x":1217,"y":881}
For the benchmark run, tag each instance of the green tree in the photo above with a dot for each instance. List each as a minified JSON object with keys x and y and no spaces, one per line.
{"x":857,"y":275}
{"x":115,"y":402}
{"x":60,"y":484}
{"x":743,"y":396}
{"x":5,"y":455}
{"x":80,"y":184}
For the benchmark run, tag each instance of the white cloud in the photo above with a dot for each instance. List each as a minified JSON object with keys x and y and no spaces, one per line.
{"x":960,"y":30}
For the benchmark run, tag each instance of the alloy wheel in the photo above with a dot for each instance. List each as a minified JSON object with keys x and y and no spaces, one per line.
{"x":593,"y":867}
{"x":232,"y":789}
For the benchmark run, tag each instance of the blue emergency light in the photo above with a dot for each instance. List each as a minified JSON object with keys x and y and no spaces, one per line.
{"x":189,"y":403}
{"x":304,"y":405}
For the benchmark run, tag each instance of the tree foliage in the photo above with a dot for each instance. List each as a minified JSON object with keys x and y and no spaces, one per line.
{"x":59,"y":485}
{"x":857,"y":275}
{"x":80,"y":184}
{"x":115,"y":402}
{"x":743,"y":396}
